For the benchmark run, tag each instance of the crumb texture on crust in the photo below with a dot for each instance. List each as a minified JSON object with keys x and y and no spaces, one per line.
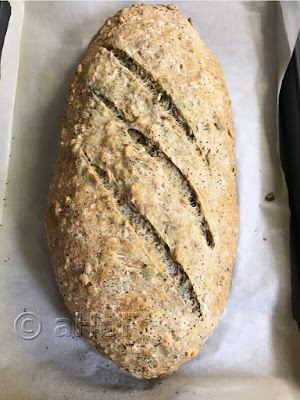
{"x":142,"y":216}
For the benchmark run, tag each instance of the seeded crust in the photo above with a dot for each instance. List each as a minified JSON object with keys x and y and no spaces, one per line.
{"x":142,"y":216}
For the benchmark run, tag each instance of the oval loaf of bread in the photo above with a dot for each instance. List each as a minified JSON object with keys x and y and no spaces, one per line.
{"x":142,"y":216}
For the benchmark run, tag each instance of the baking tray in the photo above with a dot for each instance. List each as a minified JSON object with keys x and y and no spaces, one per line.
{"x":56,"y":368}
{"x":289,"y":113}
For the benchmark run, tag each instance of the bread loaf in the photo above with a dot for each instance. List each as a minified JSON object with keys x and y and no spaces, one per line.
{"x":142,"y":216}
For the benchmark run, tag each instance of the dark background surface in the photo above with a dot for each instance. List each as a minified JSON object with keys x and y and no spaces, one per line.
{"x":5,"y":12}
{"x":289,"y":114}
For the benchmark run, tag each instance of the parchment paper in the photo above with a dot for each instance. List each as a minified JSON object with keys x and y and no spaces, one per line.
{"x":255,"y":349}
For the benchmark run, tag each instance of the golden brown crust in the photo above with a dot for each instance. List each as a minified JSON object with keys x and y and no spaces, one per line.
{"x":142,"y":217}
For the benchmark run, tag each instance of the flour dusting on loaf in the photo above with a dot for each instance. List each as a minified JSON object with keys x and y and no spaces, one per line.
{"x":142,"y":216}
